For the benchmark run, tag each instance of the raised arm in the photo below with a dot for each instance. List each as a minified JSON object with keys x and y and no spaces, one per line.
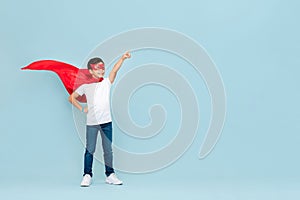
{"x":117,"y":66}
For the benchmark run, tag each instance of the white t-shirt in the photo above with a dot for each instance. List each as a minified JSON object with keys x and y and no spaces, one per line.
{"x":98,"y":101}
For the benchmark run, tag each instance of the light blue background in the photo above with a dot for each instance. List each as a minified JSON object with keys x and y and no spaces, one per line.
{"x":255,"y":45}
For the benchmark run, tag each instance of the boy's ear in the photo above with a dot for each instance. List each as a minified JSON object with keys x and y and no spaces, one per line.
{"x":91,"y":72}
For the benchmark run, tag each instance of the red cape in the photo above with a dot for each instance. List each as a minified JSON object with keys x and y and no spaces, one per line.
{"x":71,"y":76}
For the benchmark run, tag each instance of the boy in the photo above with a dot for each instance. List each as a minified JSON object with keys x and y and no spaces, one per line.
{"x":98,"y":117}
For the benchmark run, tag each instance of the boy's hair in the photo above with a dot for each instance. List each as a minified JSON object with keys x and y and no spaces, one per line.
{"x":94,"y":61}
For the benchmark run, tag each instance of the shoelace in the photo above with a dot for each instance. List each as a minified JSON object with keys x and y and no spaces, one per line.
{"x":113,"y":176}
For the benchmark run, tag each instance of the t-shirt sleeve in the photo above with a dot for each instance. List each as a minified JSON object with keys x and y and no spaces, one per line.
{"x":108,"y":82}
{"x":80,"y":90}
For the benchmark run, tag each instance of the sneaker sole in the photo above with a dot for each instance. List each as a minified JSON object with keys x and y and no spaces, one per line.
{"x":84,"y":186}
{"x":113,"y":183}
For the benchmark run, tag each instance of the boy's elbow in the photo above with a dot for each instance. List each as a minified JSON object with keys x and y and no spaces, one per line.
{"x":70,"y":99}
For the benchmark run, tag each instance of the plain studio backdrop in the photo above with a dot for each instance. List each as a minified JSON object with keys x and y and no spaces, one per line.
{"x":255,"y":46}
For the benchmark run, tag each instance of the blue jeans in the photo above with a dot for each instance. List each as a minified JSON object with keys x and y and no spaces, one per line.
{"x":91,"y":139}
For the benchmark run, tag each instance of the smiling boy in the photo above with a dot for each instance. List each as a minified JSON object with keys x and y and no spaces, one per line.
{"x":98,"y":117}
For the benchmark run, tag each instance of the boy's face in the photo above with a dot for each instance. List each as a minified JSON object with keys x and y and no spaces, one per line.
{"x":97,"y":70}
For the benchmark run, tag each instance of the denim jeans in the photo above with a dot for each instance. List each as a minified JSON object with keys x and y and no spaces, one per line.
{"x":91,"y":139}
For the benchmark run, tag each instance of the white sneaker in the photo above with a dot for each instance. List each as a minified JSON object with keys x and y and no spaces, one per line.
{"x":113,"y":179}
{"x":86,"y":181}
